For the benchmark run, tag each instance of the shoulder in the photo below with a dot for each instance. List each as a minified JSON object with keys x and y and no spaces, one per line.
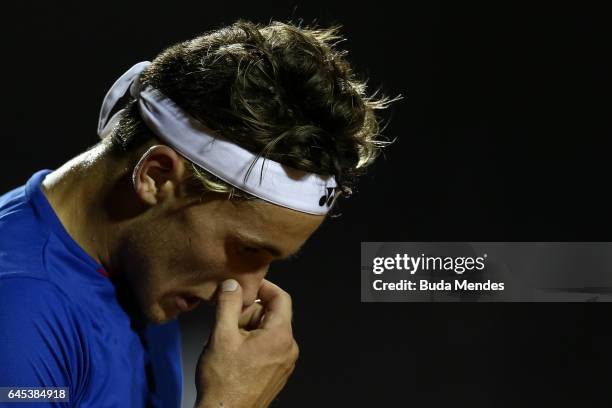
{"x":22,"y":237}
{"x":32,"y":295}
{"x":43,"y":338}
{"x":32,"y":308}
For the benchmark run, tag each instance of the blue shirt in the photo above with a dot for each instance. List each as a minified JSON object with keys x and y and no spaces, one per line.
{"x":61,"y":323}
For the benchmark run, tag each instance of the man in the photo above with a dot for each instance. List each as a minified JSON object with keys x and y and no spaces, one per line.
{"x":229,"y":153}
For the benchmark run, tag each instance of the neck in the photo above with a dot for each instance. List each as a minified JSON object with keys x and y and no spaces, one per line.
{"x":79,"y":192}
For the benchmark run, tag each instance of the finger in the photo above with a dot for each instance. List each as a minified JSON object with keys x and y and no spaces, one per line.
{"x":277,"y":303}
{"x":229,"y":306}
{"x":250,"y":318}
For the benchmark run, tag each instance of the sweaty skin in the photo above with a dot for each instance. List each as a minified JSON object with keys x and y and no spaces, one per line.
{"x":171,"y":250}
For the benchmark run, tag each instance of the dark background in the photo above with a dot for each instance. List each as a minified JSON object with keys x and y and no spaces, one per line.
{"x":501,"y":136}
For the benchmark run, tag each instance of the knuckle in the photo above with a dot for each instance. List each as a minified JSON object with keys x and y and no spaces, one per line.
{"x":284,"y":339}
{"x":295,"y":352}
{"x":283,"y":295}
{"x":226,"y":299}
{"x":287,"y":297}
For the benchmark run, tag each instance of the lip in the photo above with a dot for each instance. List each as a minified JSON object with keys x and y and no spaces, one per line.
{"x":187,"y":303}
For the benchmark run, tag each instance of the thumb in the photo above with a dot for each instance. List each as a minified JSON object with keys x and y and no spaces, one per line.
{"x":229,"y":306}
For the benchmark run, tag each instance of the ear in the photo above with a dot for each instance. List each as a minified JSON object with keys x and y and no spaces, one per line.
{"x":158,"y":175}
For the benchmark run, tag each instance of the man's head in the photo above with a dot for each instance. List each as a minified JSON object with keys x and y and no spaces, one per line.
{"x":279,"y":91}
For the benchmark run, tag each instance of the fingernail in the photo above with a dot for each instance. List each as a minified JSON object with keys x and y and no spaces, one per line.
{"x":229,"y":285}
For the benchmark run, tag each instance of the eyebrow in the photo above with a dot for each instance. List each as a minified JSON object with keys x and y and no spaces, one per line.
{"x":266,"y":246}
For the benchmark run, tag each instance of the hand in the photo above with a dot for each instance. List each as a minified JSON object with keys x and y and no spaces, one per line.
{"x":251,"y":352}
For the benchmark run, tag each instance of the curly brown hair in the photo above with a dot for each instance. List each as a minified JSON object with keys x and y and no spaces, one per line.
{"x":282,"y":91}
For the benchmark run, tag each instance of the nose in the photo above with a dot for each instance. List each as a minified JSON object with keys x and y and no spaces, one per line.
{"x":250,"y":284}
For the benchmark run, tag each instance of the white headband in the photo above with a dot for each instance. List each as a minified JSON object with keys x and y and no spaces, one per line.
{"x":279,"y":184}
